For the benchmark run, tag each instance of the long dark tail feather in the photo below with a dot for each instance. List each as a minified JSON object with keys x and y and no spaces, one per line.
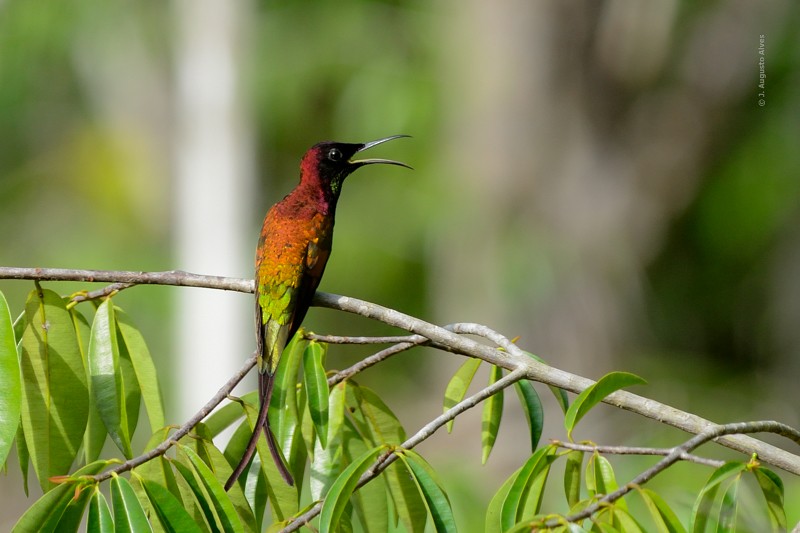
{"x":265,"y":382}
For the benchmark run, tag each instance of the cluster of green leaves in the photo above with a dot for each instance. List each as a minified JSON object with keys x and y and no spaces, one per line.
{"x":65,"y":386}
{"x":516,"y":506}
{"x":68,"y":385}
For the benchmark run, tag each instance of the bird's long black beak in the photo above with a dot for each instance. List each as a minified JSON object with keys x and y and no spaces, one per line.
{"x":362,"y":162}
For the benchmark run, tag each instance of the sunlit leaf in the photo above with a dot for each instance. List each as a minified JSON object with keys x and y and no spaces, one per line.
{"x":95,"y":436}
{"x":664,"y":517}
{"x":728,"y":507}
{"x":144,"y":369}
{"x":702,"y":506}
{"x":23,"y":456}
{"x":593,"y":395}
{"x":512,"y":508}
{"x":223,"y":505}
{"x":600,"y":479}
{"x":283,"y":411}
{"x":44,"y":515}
{"x":328,"y":462}
{"x":492,"y":414}
{"x":129,"y":516}
{"x":99,"y":519}
{"x":408,"y":502}
{"x":458,"y":385}
{"x":370,"y":501}
{"x":10,"y":386}
{"x":55,"y":398}
{"x":317,"y":388}
{"x":184,"y":467}
{"x":339,"y":494}
{"x":495,"y":510}
{"x":374,"y":419}
{"x":772,"y":487}
{"x":106,"y":378}
{"x":132,"y":394}
{"x":169,"y":510}
{"x":572,"y":477}
{"x":432,"y":490}
{"x":532,"y":406}
{"x":73,"y":515}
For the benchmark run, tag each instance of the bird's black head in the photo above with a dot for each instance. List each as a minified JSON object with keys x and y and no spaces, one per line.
{"x":328,"y":163}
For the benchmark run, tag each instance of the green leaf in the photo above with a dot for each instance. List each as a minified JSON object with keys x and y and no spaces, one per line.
{"x":221,"y":469}
{"x":22,"y":456}
{"x":373,"y":418}
{"x":106,"y":378}
{"x":458,"y":385}
{"x":132,"y":394}
{"x":532,"y":406}
{"x":55,"y":398}
{"x":44,"y":515}
{"x":663,"y":516}
{"x":495,"y":510}
{"x":144,"y":369}
{"x":317,"y":388}
{"x":432,"y":490}
{"x":129,"y":516}
{"x":339,"y":494}
{"x":169,"y":510}
{"x":378,"y":425}
{"x":223,"y":505}
{"x":728,"y":508}
{"x":327,"y":463}
{"x":283,"y":411}
{"x":572,"y":477}
{"x":492,"y":414}
{"x":595,"y":394}
{"x":772,"y":487}
{"x":99,"y":519}
{"x":705,"y":500}
{"x":184,"y":467}
{"x":95,"y":436}
{"x":73,"y":515}
{"x":408,"y":502}
{"x":370,"y":501}
{"x":10,"y":386}
{"x":600,"y":479}
{"x":512,"y":508}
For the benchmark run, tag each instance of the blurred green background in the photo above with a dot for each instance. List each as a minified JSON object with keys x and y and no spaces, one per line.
{"x":596,"y":177}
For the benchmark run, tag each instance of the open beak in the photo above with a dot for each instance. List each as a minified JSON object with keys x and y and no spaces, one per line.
{"x":362,"y":162}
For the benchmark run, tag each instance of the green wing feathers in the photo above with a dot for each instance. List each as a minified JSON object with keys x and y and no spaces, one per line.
{"x":275,"y":309}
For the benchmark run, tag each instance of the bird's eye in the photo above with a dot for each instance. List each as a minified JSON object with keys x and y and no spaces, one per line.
{"x":334,"y":154}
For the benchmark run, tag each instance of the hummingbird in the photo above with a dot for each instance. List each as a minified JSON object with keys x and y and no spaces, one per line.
{"x":293,"y":249}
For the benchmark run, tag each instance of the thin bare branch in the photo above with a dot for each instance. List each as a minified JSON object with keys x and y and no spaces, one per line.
{"x":638,"y":450}
{"x":101,"y":293}
{"x":341,"y":339}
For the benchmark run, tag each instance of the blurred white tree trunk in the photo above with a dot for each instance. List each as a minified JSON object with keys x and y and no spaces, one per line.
{"x":213,"y":192}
